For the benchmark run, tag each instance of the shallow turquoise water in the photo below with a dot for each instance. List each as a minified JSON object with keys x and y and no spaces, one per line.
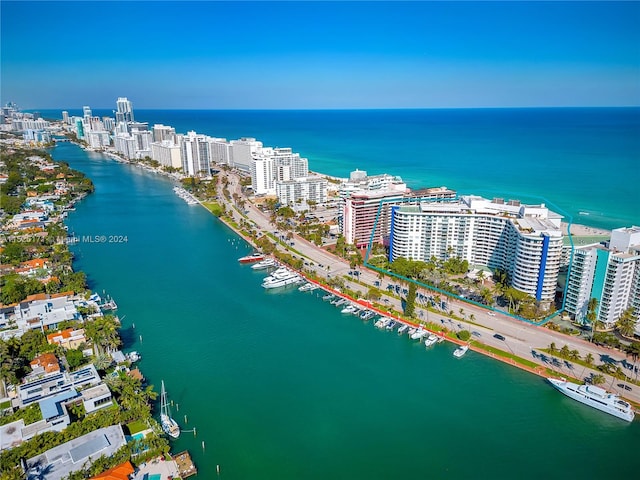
{"x":281,"y":385}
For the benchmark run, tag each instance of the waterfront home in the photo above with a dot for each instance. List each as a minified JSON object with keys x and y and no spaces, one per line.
{"x":119,"y":472}
{"x":68,"y":339}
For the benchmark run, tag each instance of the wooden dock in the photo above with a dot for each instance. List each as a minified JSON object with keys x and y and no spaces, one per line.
{"x":186,"y":467}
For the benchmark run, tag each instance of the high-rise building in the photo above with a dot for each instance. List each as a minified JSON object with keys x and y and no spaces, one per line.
{"x":167,"y":153}
{"x":297,"y":193}
{"x":610,"y":273}
{"x":124,"y":110}
{"x":163,"y":132}
{"x":523,"y":240}
{"x":242,"y":152}
{"x":195,"y":152}
{"x":65,"y":117}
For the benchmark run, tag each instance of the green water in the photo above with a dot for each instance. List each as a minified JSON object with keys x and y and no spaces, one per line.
{"x":281,"y":385}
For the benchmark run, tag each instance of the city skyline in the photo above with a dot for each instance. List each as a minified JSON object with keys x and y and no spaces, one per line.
{"x":320,"y":55}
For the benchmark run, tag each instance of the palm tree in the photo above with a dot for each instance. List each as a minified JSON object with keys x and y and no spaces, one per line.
{"x":626,"y":324}
{"x":564,"y":352}
{"x":592,"y":314}
{"x":589,"y":359}
{"x":574,"y":355}
{"x":597,"y":379}
{"x":552,"y":348}
{"x":480,"y":276}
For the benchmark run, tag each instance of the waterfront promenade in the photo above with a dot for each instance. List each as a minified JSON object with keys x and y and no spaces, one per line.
{"x":520,"y":338}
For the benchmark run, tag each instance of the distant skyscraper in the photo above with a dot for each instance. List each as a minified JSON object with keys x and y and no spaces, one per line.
{"x":86,"y":111}
{"x":65,"y":117}
{"x":124,"y":110}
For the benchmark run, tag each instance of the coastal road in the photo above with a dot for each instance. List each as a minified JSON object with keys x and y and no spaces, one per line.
{"x":520,"y":338}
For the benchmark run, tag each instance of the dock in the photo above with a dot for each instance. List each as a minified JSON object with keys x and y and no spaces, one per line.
{"x":186,"y":467}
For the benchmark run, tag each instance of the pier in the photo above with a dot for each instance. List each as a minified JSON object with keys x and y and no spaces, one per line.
{"x":186,"y":467}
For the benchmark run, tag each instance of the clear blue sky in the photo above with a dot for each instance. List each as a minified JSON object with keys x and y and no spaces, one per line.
{"x":273,"y":55}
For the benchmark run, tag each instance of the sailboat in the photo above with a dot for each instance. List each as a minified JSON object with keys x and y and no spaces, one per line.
{"x":169,"y":425}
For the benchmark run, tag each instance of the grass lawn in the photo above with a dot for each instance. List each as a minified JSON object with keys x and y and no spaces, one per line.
{"x":136,"y":426}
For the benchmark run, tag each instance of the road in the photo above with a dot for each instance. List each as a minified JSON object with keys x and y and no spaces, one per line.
{"x":520,"y":338}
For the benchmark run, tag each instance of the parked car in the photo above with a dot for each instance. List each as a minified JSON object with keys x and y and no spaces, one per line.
{"x":499,"y":337}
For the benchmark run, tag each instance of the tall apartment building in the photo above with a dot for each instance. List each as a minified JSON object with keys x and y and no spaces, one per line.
{"x":242,"y":152}
{"x":299,"y":191}
{"x":609,"y":273}
{"x":166,"y":153}
{"x":272,"y":165}
{"x":163,"y":132}
{"x":124,"y":110}
{"x":221,"y":151}
{"x":523,"y":240}
{"x":360,"y":210}
{"x":195,"y":152}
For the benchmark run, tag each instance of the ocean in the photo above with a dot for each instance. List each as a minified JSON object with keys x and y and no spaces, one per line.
{"x":281,"y":385}
{"x":581,"y":161}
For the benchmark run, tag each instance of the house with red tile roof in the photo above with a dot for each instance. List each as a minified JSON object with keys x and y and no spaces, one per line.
{"x":70,"y":338}
{"x":119,"y":472}
{"x":48,"y":361}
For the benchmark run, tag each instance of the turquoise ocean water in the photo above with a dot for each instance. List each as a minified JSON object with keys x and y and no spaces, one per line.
{"x":281,"y":385}
{"x":585,"y":161}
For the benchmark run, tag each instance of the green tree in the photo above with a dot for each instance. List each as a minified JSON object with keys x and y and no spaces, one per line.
{"x":410,"y":303}
{"x":626,"y":324}
{"x":589,"y":359}
{"x":597,"y":379}
{"x":75,"y":358}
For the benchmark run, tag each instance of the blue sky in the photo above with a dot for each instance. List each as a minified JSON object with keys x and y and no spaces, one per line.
{"x":272,"y":55}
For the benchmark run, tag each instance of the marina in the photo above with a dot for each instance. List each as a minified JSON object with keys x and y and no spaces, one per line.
{"x":186,"y":196}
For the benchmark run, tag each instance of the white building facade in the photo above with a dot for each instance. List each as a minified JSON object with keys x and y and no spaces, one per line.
{"x":523,"y":240}
{"x":610,"y":274}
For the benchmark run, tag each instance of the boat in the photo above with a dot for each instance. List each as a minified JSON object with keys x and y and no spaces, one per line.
{"x":403,"y":329}
{"x":418,"y":334}
{"x":595,"y":397}
{"x":169,"y":425}
{"x":133,"y":356}
{"x":367,"y":315}
{"x":348,"y":309}
{"x":312,"y":287}
{"x":441,"y":339}
{"x":392,"y":324}
{"x":305,"y":288}
{"x":382,"y":322}
{"x":460,"y":351}
{"x":281,"y":278}
{"x":263,"y":264}
{"x":254,"y":257}
{"x":431,"y":340}
{"x":327,"y":297}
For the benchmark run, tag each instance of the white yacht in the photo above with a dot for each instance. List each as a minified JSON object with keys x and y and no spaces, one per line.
{"x":281,"y":278}
{"x":595,"y":397}
{"x":418,"y":334}
{"x":348,"y":309}
{"x":263,"y":264}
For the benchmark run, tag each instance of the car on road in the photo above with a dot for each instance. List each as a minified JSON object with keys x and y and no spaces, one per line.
{"x":491,"y":314}
{"x":499,"y":337}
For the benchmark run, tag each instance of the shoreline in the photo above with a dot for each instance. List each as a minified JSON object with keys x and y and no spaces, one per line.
{"x":540,"y":370}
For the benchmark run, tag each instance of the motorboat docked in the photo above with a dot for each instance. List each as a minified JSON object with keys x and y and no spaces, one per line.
{"x":419,"y":333}
{"x":460,"y":351}
{"x":328,"y":296}
{"x":169,"y":425}
{"x":133,"y":356}
{"x":431,"y":340}
{"x":305,"y":288}
{"x":391,"y":325}
{"x":263,"y":264}
{"x":186,"y":196}
{"x":595,"y":397}
{"x":254,"y":257}
{"x":367,"y":315}
{"x":349,"y":309}
{"x":382,"y":322}
{"x":403,"y":329}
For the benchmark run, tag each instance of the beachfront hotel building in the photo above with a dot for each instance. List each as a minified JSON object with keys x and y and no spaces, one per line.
{"x":523,"y":240}
{"x":608,"y":272}
{"x":166,"y":153}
